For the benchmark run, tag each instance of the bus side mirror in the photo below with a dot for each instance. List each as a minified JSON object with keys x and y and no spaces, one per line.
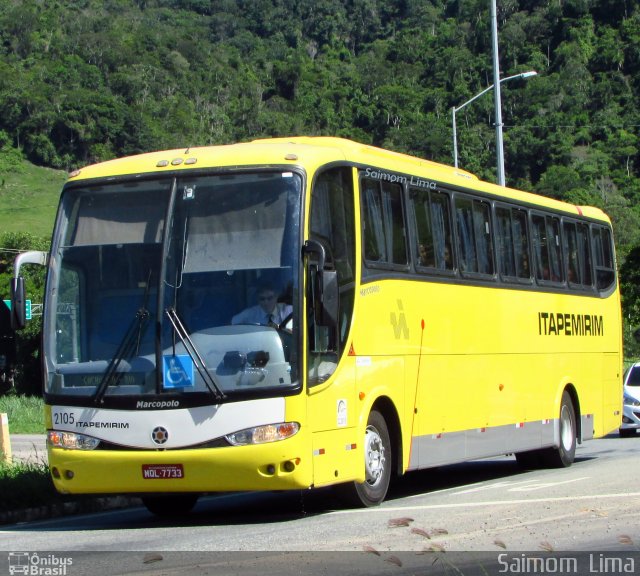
{"x":18,"y":301}
{"x":18,"y":304}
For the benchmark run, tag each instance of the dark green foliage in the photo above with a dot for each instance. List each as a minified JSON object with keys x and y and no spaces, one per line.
{"x":26,"y":374}
{"x":25,"y":486}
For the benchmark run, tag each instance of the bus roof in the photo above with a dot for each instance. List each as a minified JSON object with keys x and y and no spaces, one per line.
{"x":313,"y":152}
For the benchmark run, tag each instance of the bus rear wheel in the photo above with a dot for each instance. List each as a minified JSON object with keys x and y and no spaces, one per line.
{"x":377,"y":464}
{"x":560,"y":456}
{"x":563,"y":455}
{"x":170,"y":505}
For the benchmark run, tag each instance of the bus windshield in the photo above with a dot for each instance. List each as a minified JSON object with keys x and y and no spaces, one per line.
{"x":180,"y":287}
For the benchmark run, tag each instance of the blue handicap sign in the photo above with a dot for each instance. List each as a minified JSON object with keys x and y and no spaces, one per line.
{"x":178,"y":371}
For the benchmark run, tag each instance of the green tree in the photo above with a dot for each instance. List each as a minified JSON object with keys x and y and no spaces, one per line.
{"x":27,"y":378}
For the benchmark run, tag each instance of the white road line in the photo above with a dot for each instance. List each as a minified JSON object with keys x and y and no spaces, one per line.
{"x":488,"y":503}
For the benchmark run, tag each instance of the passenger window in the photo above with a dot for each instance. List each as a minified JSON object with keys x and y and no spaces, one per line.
{"x":570,"y":237}
{"x":384,"y":227}
{"x":433,"y":225}
{"x":512,"y":244}
{"x":546,"y":246}
{"x":521,"y":244}
{"x":603,"y":257}
{"x":584,"y":252}
{"x":578,"y":254}
{"x":475,"y":251}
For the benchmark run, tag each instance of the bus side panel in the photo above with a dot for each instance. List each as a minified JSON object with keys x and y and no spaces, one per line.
{"x":612,"y":393}
{"x":337,"y":457}
{"x":333,"y":416}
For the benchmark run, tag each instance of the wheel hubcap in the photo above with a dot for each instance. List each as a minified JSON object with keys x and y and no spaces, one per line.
{"x":566,"y":428}
{"x":374,"y":455}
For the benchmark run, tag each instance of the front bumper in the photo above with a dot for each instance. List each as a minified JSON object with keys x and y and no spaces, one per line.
{"x":274,"y":466}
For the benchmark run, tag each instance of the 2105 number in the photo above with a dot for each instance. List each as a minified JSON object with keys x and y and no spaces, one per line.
{"x":63,"y":418}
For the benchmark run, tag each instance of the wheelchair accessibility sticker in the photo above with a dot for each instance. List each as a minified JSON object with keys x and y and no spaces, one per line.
{"x":178,"y":371}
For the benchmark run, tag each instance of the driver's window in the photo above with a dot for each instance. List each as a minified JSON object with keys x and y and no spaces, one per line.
{"x":332,"y":224}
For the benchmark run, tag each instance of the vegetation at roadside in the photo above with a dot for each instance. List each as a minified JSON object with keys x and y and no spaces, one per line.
{"x":26,"y":485}
{"x":28,"y":196}
{"x":25,"y":413}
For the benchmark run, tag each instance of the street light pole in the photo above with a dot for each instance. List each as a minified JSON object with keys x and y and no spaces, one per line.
{"x":497,"y":100}
{"x":496,"y":95}
{"x":458,"y":108}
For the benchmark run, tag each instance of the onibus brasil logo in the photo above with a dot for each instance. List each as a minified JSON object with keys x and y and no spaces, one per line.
{"x":34,"y":564}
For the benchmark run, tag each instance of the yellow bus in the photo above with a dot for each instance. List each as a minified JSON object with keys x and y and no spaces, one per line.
{"x":303,"y":312}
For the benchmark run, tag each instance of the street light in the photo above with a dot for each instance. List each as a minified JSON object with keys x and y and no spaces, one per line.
{"x":458,"y":108}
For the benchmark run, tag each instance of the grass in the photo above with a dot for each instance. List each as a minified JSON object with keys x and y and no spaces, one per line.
{"x":26,"y":485}
{"x":25,"y":414}
{"x":29,"y":198}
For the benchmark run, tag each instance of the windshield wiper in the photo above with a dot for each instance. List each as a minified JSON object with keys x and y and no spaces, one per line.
{"x":129,"y":343}
{"x":193,"y":352}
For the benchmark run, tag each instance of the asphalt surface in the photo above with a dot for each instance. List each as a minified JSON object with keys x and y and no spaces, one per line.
{"x":30,"y":448}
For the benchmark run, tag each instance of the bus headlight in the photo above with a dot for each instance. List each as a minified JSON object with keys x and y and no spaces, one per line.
{"x":263,"y":434}
{"x":72,"y":441}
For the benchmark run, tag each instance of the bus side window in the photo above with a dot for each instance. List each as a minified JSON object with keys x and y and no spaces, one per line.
{"x":433,"y":225}
{"x":475,"y":247}
{"x":555,"y":249}
{"x":584,"y":255}
{"x":505,"y":242}
{"x":466,"y":241}
{"x":383,"y":220}
{"x":521,"y":244}
{"x":603,"y":257}
{"x":570,"y":237}
{"x":512,"y":244}
{"x":547,"y":249}
{"x":333,"y":222}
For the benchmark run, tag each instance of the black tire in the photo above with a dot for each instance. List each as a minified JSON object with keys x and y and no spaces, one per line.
{"x":627,"y":432}
{"x":170,"y":505}
{"x":378,"y":462}
{"x":563,"y":455}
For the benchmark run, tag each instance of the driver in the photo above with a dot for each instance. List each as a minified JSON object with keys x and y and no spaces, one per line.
{"x":268,"y":311}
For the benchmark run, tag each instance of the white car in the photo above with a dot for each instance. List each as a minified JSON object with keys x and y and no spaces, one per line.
{"x":631,"y":401}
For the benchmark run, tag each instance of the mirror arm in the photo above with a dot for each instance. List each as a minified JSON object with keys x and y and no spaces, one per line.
{"x":30,"y":257}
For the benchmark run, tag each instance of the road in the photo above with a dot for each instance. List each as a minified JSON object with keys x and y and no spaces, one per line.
{"x":481,"y":506}
{"x":29,"y":448}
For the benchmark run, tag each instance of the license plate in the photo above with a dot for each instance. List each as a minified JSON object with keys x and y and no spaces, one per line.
{"x":162,"y":471}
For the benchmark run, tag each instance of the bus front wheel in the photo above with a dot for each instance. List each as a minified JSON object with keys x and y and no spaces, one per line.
{"x":377,"y":465}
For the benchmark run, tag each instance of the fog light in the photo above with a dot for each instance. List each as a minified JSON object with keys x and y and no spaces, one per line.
{"x":55,"y":472}
{"x":68,"y":474}
{"x":289,"y":466}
